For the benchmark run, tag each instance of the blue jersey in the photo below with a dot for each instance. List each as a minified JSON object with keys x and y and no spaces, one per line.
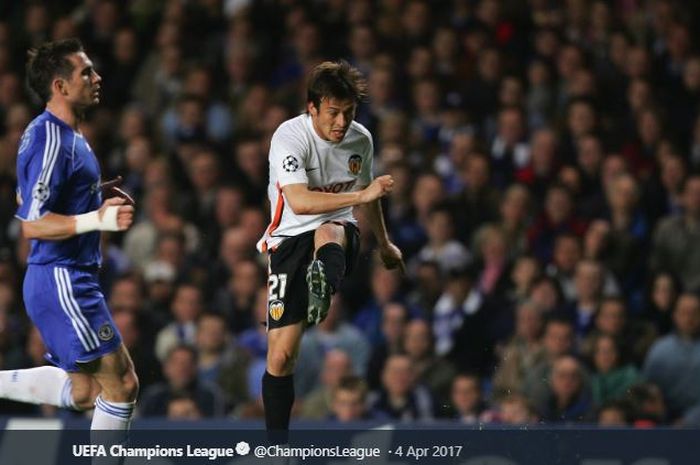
{"x":57,"y":172}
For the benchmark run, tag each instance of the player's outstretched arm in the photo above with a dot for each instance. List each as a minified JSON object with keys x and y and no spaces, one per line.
{"x":113,"y":215}
{"x":390,"y":254}
{"x":306,"y":202}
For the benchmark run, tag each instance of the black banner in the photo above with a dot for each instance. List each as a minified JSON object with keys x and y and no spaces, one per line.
{"x":336,"y":446}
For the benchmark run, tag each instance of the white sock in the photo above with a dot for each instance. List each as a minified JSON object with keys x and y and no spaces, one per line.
{"x":110,"y":424}
{"x":41,"y":385}
{"x":110,"y":415}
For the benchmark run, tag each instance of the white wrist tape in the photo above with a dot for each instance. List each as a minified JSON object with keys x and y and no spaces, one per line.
{"x":91,"y":221}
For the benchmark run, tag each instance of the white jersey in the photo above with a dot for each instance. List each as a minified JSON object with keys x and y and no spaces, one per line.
{"x":299,"y":156}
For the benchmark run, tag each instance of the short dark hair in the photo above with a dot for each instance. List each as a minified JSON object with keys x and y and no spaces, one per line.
{"x":48,"y":61}
{"x":352,"y":383}
{"x":183,"y":348}
{"x":558,"y":318}
{"x":336,"y":80}
{"x":623,"y":406}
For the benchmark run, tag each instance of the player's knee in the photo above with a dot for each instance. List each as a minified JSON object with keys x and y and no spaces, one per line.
{"x":84,"y":397}
{"x":280,"y":363}
{"x":122,"y":389}
{"x":328,"y":232}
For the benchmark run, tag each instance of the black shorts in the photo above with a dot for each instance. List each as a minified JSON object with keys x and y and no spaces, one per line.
{"x":288,"y":293}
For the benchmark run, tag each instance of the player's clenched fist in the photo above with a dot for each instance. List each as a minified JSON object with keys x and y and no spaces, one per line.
{"x":124,"y":212}
{"x":379,"y":188}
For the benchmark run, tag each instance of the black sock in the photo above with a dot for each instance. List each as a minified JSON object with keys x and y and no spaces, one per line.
{"x":278,"y":397}
{"x":333,"y":257}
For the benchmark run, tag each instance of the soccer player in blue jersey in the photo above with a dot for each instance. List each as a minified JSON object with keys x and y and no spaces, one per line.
{"x":62,"y":213}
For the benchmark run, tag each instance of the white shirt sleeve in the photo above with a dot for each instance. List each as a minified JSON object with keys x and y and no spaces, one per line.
{"x":288,"y":153}
{"x":365,"y":177}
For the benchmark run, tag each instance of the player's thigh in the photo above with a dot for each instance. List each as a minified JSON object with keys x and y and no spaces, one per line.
{"x":114,"y":372}
{"x":329,"y":232}
{"x":69,"y":310}
{"x":288,"y":295}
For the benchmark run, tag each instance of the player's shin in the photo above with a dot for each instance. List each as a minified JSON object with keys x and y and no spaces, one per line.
{"x":333,"y":257}
{"x":278,"y":398}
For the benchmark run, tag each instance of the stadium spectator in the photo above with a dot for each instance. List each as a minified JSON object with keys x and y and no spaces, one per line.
{"x":432,"y":372}
{"x":514,"y":214}
{"x":336,"y":333}
{"x":671,"y":361}
{"x":186,"y":307}
{"x":648,"y":405}
{"x":211,"y":341}
{"x":517,"y":410}
{"x":183,"y":407}
{"x":611,"y":377}
{"x":180,"y":373}
{"x":400,"y":397}
{"x":664,"y":289}
{"x":558,"y":340}
{"x":395,"y":316}
{"x":236,"y":300}
{"x":614,"y":413}
{"x":669,"y":251}
{"x":522,"y":353}
{"x":350,"y":401}
{"x":588,"y":291}
{"x":478,"y":200}
{"x":466,"y":399}
{"x":318,"y":403}
{"x":526,"y":270}
{"x":442,"y":247}
{"x":569,"y":399}
{"x":613,"y":319}
{"x":557,"y":217}
{"x":385,"y":288}
{"x":567,"y":253}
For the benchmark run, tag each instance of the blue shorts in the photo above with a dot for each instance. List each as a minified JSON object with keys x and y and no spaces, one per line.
{"x":67,"y":306}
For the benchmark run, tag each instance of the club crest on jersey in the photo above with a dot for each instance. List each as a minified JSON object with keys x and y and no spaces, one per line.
{"x":276,"y":309}
{"x":290,"y":164}
{"x":354,"y":164}
{"x":105,"y":332}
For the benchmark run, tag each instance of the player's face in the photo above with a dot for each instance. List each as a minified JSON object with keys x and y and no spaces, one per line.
{"x":83,"y":88}
{"x":348,"y":405}
{"x":332,"y":120}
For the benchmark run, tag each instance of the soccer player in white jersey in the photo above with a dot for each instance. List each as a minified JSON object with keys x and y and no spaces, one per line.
{"x":320,"y":168}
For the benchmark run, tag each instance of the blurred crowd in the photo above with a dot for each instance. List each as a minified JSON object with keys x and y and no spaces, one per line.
{"x":546,"y":156}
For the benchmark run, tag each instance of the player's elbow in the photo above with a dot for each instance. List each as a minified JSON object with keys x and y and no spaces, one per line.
{"x":302,"y":210}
